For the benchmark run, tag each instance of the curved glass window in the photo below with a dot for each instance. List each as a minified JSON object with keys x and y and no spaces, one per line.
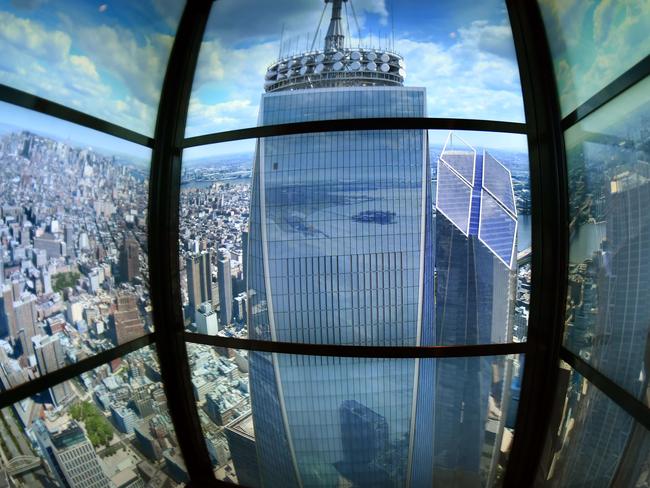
{"x":286,"y":420}
{"x":73,"y":268}
{"x":461,"y":53}
{"x":105,"y":59}
{"x":107,"y":427}
{"x":596,"y":442}
{"x":592,"y":43}
{"x":609,"y":184}
{"x":329,"y":238}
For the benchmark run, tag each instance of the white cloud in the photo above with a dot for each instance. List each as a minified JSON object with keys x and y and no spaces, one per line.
{"x":102,"y":70}
{"x":476,"y":77}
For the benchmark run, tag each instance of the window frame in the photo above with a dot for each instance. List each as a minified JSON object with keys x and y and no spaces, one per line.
{"x":544,"y":129}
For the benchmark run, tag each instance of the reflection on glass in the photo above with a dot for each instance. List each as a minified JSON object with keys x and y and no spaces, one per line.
{"x":609,"y":176}
{"x":462,"y":52}
{"x":283,"y":420}
{"x":592,"y":43}
{"x":368,"y":212}
{"x":105,"y":59}
{"x":73,"y":266}
{"x":595,"y":443}
{"x":112,"y":429}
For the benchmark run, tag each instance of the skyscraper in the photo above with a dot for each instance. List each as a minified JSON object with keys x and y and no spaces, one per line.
{"x":69,"y":239}
{"x":129,"y":259}
{"x":70,"y":455}
{"x":206,"y":320}
{"x":199,"y":280}
{"x":476,"y":227}
{"x":25,"y":316}
{"x":241,"y":440}
{"x":225,"y":288}
{"x":126,"y":323}
{"x":620,"y":341}
{"x":340,"y":251}
{"x":49,"y":358}
{"x":7,"y":314}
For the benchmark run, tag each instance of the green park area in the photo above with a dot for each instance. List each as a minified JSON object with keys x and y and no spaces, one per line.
{"x":65,"y":280}
{"x":99,"y":430}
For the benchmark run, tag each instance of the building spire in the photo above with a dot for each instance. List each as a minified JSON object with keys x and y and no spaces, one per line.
{"x":335,"y":36}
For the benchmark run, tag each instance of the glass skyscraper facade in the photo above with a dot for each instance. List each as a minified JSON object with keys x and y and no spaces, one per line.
{"x":476,"y":228}
{"x":340,"y":237}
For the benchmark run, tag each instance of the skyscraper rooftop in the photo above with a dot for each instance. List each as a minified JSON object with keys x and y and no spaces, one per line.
{"x":337,"y":64}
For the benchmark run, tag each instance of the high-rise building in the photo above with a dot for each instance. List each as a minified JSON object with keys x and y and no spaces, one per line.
{"x":620,"y":343}
{"x":126,"y":323}
{"x":244,"y":253}
{"x":26,"y":318}
{"x":340,"y":251}
{"x":49,"y":358}
{"x":129,"y":260}
{"x":241,"y":441}
{"x":7,"y":314}
{"x":206,"y":319}
{"x":70,"y":455}
{"x":476,"y":227}
{"x":225,"y":287}
{"x":199,"y":279}
{"x":54,"y":246}
{"x":69,"y":239}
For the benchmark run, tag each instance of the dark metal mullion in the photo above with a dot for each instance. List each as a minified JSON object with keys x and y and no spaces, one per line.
{"x":47,"y":107}
{"x":379,"y":123}
{"x":635,"y":74}
{"x":624,"y":399}
{"x":33,"y":387}
{"x":381,"y":352}
{"x":548,"y":179}
{"x":163,"y":241}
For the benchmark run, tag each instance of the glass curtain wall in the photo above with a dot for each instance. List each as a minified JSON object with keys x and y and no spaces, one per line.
{"x":599,"y":51}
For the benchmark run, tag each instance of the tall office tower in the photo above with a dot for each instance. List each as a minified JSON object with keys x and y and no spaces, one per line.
{"x":2,"y":268}
{"x":49,"y":358}
{"x":69,"y":239}
{"x":126,"y":323}
{"x":225,"y":287}
{"x":206,"y":319}
{"x":25,"y":314}
{"x":70,"y":455}
{"x":129,"y":259}
{"x":7,"y":314}
{"x":244,"y":253}
{"x":476,"y":228}
{"x":199,"y":279}
{"x":340,"y":252}
{"x":241,"y":441}
{"x":620,"y":347}
{"x":54,"y":246}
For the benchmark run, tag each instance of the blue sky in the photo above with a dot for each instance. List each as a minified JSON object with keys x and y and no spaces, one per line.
{"x":107,"y":58}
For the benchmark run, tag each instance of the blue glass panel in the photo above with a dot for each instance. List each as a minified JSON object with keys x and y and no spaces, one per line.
{"x":462,"y":162}
{"x":322,"y":421}
{"x":453,"y":197}
{"x":497,"y":180}
{"x":497,"y":229}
